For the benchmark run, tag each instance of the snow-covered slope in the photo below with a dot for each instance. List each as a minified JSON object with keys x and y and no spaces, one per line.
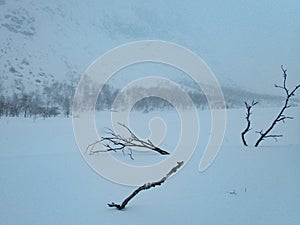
{"x":45,"y":180}
{"x":43,"y":41}
{"x":40,"y":43}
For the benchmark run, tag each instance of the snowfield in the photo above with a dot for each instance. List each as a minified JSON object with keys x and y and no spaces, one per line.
{"x":45,"y":180}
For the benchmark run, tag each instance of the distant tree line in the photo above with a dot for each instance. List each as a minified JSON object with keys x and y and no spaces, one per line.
{"x":51,"y":101}
{"x":108,"y":95}
{"x":57,"y":99}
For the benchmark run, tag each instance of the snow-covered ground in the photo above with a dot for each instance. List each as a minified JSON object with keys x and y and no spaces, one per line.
{"x":45,"y":180}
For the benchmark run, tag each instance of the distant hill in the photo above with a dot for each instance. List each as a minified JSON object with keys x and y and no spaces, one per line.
{"x":47,"y":45}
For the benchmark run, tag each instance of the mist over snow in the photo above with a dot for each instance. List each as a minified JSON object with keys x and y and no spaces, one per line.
{"x":243,"y":43}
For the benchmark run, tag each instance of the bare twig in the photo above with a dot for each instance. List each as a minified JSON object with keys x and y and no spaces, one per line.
{"x":248,"y":114}
{"x":116,"y":142}
{"x":274,"y":136}
{"x":280,"y":116}
{"x":92,"y":150}
{"x":145,"y":187}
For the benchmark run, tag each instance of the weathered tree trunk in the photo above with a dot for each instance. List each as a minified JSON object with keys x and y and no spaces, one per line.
{"x":248,"y":127}
{"x":145,"y":187}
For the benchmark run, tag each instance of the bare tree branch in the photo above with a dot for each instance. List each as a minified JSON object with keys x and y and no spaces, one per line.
{"x":274,"y":136}
{"x":115,"y":142}
{"x":280,"y":116}
{"x":248,"y":127}
{"x":145,"y":187}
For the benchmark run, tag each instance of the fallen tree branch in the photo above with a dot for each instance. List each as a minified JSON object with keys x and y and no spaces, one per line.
{"x":248,"y":127}
{"x":115,"y":142}
{"x":280,"y":116}
{"x":145,"y":187}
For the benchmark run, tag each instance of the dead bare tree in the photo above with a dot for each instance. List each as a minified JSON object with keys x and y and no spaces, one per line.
{"x":248,"y":127}
{"x":145,"y":187}
{"x":115,"y":142}
{"x":280,"y":116}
